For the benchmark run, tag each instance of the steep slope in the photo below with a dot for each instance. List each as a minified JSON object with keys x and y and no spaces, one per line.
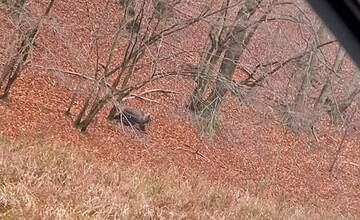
{"x":252,"y":153}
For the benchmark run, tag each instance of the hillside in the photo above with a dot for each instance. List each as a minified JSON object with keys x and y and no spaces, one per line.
{"x":252,"y":153}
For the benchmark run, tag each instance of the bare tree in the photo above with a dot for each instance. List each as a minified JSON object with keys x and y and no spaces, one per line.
{"x":326,"y":90}
{"x":113,"y":81}
{"x":24,"y":42}
{"x":210,"y":58}
{"x":226,"y":44}
{"x":303,"y":112}
{"x":336,"y":108}
{"x":16,"y":6}
{"x":231,"y":42}
{"x":294,"y":115}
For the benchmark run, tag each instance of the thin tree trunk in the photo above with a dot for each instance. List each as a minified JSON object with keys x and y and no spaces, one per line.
{"x":13,"y":67}
{"x":71,"y":104}
{"x":300,"y":98}
{"x":337,"y":108}
{"x":82,"y":112}
{"x":8,"y":69}
{"x":78,"y":120}
{"x":90,"y":116}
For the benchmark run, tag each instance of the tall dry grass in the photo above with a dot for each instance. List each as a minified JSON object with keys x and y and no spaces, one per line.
{"x":51,"y":181}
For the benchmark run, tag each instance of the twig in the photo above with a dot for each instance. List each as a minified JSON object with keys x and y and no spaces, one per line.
{"x":340,"y":146}
{"x":141,"y":95}
{"x":132,"y":96}
{"x":67,"y":72}
{"x":158,"y":90}
{"x":196,"y":152}
{"x":129,"y":88}
{"x":284,"y":63}
{"x":73,"y":74}
{"x":314,"y":133}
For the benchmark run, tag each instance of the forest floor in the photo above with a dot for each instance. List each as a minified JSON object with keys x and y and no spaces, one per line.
{"x":251,"y":153}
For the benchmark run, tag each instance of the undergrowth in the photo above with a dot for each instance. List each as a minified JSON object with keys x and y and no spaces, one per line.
{"x":54,"y":181}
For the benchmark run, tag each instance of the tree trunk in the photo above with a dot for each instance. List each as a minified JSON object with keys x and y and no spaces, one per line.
{"x":71,"y":104}
{"x":294,"y":117}
{"x":115,"y":109}
{"x":326,"y":89}
{"x":96,"y":107}
{"x":337,"y":108}
{"x":208,"y":62}
{"x":79,"y":121}
{"x":82,"y":112}
{"x":13,"y":67}
{"x":233,"y":45}
{"x":196,"y":101}
{"x":240,"y":37}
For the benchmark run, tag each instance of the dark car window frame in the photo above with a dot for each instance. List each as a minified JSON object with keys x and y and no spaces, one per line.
{"x":343,"y":19}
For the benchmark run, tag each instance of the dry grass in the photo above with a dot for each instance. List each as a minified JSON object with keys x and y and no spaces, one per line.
{"x":45,"y":181}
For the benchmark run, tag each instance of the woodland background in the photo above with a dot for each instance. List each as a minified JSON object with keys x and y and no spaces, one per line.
{"x":252,"y":94}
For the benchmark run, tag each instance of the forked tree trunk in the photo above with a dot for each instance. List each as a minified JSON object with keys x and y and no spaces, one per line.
{"x":240,"y":41}
{"x":208,"y":62}
{"x":96,"y":107}
{"x":205,"y":70}
{"x":235,"y":41}
{"x":86,"y":115}
{"x":294,"y":117}
{"x":239,"y":38}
